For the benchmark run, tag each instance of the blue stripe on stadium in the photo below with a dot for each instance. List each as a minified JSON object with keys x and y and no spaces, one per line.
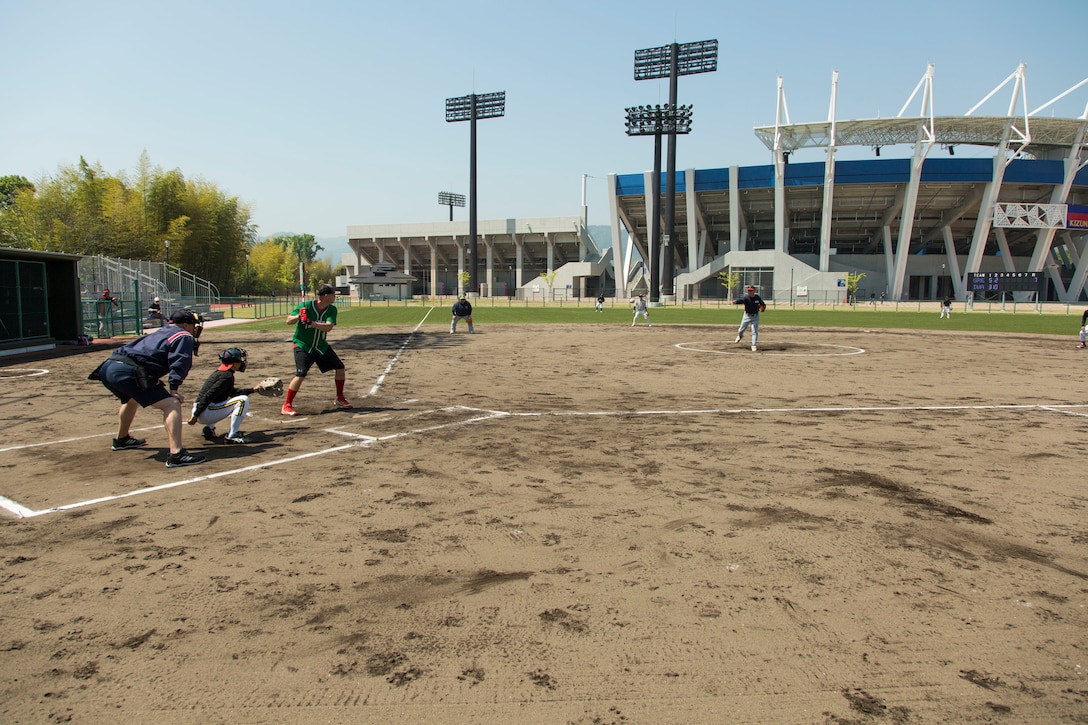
{"x":882,"y":171}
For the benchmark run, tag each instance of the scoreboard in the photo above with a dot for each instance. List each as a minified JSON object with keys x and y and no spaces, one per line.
{"x":983,"y":282}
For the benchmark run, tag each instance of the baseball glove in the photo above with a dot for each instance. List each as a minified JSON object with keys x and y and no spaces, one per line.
{"x":270,"y":386}
{"x":762,"y":307}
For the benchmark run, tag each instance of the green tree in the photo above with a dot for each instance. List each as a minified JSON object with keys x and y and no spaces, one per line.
{"x":82,"y":209}
{"x":10,"y":186}
{"x":729,"y":280}
{"x":321,"y":272}
{"x":267,"y":262}
{"x":853,"y":279}
{"x":304,"y":250}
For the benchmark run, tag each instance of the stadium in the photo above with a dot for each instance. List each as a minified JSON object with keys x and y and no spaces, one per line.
{"x":1013,"y":202}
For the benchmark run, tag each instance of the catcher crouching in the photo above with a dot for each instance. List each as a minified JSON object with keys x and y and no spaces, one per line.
{"x":219,"y":399}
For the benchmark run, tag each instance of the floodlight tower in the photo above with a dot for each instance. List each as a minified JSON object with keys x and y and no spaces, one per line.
{"x":469,"y":108}
{"x":672,"y":61}
{"x":655,"y":121}
{"x":446,"y":198}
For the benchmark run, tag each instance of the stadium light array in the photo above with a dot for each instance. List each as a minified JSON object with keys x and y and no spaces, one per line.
{"x":446,"y":198}
{"x":487,"y":105}
{"x":470,"y":108}
{"x":672,"y":61}
{"x":699,"y":57}
{"x":649,"y":120}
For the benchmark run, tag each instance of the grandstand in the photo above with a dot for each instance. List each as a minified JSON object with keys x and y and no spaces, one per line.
{"x":914,"y":226}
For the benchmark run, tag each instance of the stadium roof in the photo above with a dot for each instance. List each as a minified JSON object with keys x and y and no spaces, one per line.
{"x":1047,"y":133}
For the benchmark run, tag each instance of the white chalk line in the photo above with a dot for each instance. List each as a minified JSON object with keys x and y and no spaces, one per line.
{"x":740,"y":350}
{"x":24,"y":512}
{"x":381,"y":378}
{"x":26,"y":373}
{"x":72,"y":440}
{"x":365,"y":440}
{"x":361,"y":441}
{"x":174,"y":484}
{"x":1057,"y":409}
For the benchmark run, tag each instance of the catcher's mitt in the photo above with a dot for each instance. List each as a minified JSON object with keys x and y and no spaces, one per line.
{"x":762,"y":307}
{"x":270,"y":386}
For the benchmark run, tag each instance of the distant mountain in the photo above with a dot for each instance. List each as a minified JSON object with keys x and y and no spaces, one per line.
{"x":601,"y":234}
{"x":334,"y":246}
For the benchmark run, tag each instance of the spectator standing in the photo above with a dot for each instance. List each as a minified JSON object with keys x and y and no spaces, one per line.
{"x":106,"y":303}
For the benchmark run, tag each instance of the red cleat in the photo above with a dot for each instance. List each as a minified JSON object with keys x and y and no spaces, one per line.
{"x":343,"y":404}
{"x":288,"y":410}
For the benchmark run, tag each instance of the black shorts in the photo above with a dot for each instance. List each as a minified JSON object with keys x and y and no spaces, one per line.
{"x":120,"y":379}
{"x":305,"y":360}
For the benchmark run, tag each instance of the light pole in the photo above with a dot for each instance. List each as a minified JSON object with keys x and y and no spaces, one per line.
{"x":166,"y":264}
{"x":671,"y":61}
{"x":655,"y":121}
{"x":469,"y":108}
{"x":247,"y":272}
{"x":446,"y":198}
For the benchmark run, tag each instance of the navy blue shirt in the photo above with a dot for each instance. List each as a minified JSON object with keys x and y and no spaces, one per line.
{"x":751,"y":304}
{"x":166,"y":350}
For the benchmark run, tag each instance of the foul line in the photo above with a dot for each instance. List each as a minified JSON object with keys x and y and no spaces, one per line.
{"x":381,"y":378}
{"x":361,"y":440}
{"x":28,"y":513}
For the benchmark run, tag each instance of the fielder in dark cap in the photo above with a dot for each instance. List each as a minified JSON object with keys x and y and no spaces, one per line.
{"x":753,"y":305}
{"x":462,"y":310}
{"x":133,"y":373}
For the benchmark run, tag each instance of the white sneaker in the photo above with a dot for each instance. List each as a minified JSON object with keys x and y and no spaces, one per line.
{"x":737,"y":340}
{"x":753,"y":348}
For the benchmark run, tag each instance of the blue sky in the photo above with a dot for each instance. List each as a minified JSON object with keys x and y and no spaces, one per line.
{"x":324,"y":114}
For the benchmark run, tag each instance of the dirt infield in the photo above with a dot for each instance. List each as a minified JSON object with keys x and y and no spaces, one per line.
{"x":584,"y":524}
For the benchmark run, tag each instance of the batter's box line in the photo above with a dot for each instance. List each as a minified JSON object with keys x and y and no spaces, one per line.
{"x":21,"y":446}
{"x":23,"y":512}
{"x":1058,"y":409}
{"x":359,"y":440}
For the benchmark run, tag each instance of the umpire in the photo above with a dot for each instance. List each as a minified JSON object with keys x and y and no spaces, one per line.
{"x":133,"y":373}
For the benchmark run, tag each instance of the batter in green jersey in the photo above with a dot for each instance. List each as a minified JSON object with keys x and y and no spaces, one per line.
{"x":313,"y":320}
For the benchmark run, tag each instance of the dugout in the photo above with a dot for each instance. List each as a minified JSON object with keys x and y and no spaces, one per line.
{"x":39,"y":300}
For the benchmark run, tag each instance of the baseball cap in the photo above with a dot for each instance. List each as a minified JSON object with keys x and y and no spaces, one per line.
{"x":325,"y":289}
{"x":462,"y":297}
{"x":750,"y":288}
{"x":183,"y":317}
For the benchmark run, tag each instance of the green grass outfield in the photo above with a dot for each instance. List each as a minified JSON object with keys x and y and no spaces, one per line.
{"x":1063,"y":322}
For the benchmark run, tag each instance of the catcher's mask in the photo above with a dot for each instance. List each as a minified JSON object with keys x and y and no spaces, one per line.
{"x":234,"y":355}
